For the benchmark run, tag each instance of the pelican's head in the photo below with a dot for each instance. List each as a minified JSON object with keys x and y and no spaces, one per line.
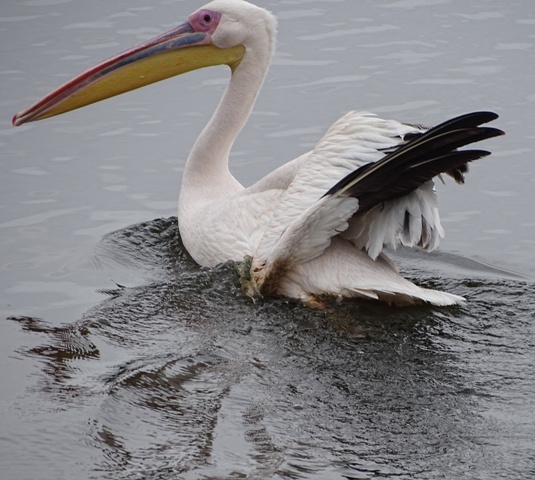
{"x":219,"y":33}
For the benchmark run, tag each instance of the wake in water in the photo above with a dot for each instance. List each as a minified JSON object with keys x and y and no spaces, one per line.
{"x":183,"y":376}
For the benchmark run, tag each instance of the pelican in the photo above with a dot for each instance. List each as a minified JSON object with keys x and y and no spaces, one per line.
{"x":315,"y":227}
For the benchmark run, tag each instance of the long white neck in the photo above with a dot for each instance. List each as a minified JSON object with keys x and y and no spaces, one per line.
{"x":206,"y":175}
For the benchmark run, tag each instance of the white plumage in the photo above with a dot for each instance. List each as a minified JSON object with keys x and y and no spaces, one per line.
{"x":317,"y":225}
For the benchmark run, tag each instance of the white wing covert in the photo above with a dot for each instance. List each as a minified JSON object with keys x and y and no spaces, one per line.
{"x":412,"y":220}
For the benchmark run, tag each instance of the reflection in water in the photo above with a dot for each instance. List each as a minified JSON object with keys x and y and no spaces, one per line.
{"x":185,"y":377}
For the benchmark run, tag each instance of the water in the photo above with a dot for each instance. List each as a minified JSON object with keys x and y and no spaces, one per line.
{"x":121,"y":359}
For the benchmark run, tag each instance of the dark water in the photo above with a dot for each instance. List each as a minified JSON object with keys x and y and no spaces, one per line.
{"x":184,"y":377}
{"x":119,"y":358}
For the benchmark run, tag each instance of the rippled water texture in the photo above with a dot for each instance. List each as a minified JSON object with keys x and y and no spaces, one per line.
{"x":185,"y":376}
{"x":120,"y":358}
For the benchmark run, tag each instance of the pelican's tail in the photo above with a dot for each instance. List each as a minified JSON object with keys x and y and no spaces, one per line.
{"x":345,"y":272}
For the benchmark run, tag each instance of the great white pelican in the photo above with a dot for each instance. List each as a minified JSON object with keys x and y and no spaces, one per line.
{"x":317,"y":225}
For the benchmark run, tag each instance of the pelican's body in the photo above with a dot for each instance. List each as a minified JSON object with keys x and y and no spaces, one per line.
{"x":318,"y":224}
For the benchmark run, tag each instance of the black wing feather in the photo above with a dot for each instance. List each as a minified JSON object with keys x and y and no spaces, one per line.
{"x":419,"y":160}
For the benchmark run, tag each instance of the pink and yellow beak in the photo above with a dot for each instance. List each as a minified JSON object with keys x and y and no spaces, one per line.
{"x":182,"y":49}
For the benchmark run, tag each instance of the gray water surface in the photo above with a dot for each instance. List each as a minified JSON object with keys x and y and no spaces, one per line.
{"x":122,"y":359}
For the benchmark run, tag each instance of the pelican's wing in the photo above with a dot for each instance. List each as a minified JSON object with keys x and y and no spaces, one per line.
{"x":373,"y":173}
{"x":303,"y":222}
{"x":356,"y":139}
{"x":397,"y":199}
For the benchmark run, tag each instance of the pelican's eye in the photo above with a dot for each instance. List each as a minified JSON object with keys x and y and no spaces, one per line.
{"x":205,"y":20}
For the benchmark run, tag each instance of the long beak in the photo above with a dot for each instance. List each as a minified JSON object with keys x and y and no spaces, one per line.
{"x":177,"y":51}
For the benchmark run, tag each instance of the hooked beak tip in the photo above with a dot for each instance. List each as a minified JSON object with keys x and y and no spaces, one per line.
{"x":16,"y":120}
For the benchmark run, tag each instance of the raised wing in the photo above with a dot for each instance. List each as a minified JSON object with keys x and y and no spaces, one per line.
{"x":397,"y":200}
{"x":366,"y":159}
{"x":303,"y":222}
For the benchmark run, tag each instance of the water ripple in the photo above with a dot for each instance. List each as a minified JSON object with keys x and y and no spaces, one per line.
{"x":186,"y":376}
